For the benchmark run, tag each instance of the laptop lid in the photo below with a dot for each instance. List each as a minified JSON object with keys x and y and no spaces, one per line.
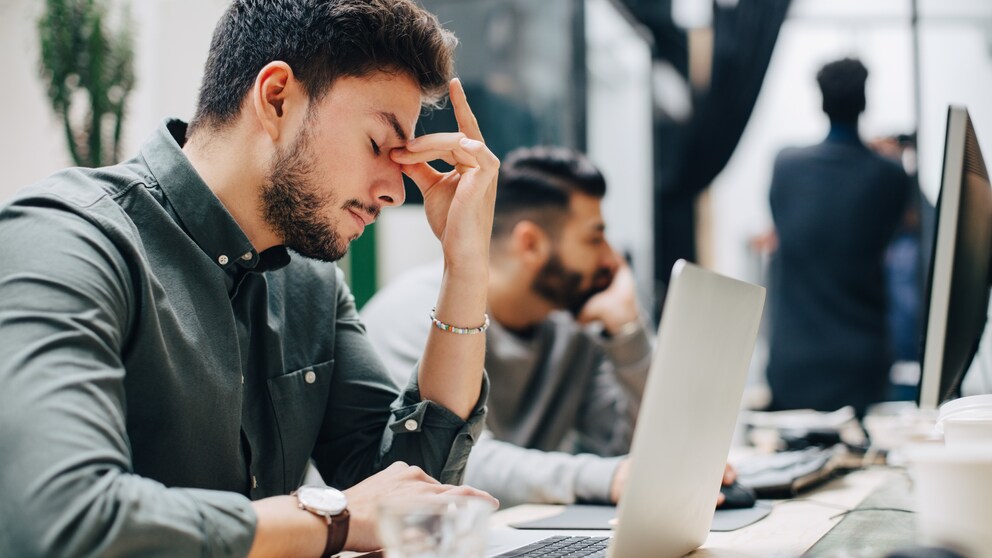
{"x":691,"y":402}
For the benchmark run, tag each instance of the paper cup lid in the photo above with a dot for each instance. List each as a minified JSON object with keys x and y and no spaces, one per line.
{"x":971,"y":407}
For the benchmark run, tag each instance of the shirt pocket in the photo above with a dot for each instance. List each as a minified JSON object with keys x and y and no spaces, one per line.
{"x":298,"y":402}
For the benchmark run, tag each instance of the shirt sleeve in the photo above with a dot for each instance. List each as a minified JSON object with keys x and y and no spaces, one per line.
{"x":517,"y":475}
{"x":370,"y":423}
{"x":68,"y":483}
{"x":609,"y":408}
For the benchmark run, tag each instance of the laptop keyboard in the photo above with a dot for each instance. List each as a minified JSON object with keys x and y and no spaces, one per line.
{"x":555,"y":547}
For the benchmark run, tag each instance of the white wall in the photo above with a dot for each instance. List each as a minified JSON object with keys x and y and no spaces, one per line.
{"x":403,"y":240}
{"x":175,"y":37}
{"x":31,"y":144}
{"x":172,"y":37}
{"x":619,"y":133}
{"x":956,"y":60}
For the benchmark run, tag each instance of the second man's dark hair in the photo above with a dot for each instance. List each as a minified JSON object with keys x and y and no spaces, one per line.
{"x":536,"y":183}
{"x":321,"y":40}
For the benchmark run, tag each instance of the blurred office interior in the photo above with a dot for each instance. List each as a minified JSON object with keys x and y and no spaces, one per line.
{"x":682,"y":103}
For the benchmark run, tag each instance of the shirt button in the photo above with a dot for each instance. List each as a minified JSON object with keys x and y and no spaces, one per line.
{"x":246,"y":256}
{"x":254,"y":482}
{"x":222,"y":259}
{"x":410,"y":425}
{"x":310,"y":376}
{"x":242,"y":379}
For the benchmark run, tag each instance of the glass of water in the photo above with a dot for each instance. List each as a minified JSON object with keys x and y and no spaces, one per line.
{"x":435,"y":527}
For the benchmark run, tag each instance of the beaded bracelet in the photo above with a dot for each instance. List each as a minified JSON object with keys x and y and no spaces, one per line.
{"x":459,"y":330}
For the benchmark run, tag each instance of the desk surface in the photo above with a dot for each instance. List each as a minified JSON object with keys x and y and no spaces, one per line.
{"x":791,"y":529}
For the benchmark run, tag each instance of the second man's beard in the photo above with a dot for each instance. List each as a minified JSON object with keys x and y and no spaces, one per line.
{"x":562,"y":287}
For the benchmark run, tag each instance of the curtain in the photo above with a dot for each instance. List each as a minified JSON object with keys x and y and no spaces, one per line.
{"x":691,"y":154}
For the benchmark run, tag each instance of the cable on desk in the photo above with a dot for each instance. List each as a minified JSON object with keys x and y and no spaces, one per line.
{"x":844,"y":509}
{"x":835,"y":516}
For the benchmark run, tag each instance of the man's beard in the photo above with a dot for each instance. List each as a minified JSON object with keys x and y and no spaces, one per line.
{"x":296,"y":208}
{"x":562,"y":287}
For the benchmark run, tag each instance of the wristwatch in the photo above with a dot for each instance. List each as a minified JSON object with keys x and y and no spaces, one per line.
{"x":330,"y":504}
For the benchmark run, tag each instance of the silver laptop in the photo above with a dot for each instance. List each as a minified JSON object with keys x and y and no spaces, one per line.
{"x":686,"y":422}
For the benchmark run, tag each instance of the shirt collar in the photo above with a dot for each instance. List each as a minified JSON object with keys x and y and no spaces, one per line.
{"x":842,"y":132}
{"x":200,"y":212}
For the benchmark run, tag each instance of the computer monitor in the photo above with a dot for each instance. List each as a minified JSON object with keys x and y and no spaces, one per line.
{"x":959,"y":280}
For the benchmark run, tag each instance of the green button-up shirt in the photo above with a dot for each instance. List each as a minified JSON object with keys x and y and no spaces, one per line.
{"x":157,"y":373}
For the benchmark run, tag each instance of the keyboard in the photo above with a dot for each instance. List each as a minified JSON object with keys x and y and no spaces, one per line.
{"x":555,"y":547}
{"x":786,"y":474}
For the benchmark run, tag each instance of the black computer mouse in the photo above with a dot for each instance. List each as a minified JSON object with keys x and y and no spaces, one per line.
{"x":737,"y":496}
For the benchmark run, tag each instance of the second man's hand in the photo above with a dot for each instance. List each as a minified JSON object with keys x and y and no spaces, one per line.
{"x":623,"y":471}
{"x":616,"y":306}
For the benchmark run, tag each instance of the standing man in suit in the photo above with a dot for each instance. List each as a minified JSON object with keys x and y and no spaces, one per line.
{"x":836,"y":206}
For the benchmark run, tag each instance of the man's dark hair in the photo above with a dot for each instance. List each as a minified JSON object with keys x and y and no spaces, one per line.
{"x":536,"y":183}
{"x":321,"y":40}
{"x":843,"y":86}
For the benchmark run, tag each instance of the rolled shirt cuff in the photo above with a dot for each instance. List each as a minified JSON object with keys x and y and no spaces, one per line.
{"x":416,"y":415}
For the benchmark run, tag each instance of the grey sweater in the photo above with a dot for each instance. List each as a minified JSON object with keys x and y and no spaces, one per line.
{"x":562,"y":404}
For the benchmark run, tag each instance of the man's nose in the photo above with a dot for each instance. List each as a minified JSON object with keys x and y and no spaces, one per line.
{"x":388,"y":189}
{"x":609,"y":258}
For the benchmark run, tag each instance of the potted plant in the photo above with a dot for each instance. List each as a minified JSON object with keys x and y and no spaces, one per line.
{"x":88,"y":68}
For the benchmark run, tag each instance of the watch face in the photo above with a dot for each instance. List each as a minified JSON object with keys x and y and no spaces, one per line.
{"x":325,"y":500}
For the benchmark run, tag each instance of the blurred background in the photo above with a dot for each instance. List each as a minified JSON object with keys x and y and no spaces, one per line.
{"x":682,"y":103}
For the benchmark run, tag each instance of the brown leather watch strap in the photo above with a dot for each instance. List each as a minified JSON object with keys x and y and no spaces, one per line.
{"x":337,"y":534}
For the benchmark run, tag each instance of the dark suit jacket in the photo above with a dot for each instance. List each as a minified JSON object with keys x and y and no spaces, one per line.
{"x":836,"y":206}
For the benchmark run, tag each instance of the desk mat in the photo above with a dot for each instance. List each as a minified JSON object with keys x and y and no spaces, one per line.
{"x":876,"y":527}
{"x":592,"y":518}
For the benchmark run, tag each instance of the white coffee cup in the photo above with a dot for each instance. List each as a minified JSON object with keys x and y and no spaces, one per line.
{"x":953,"y":494}
{"x":968,"y":431}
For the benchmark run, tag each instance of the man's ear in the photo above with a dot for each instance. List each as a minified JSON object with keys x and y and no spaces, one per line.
{"x":530,"y":243}
{"x":276,"y":96}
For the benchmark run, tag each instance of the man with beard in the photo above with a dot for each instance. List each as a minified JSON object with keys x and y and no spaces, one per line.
{"x":168,"y":369}
{"x":567,"y":353}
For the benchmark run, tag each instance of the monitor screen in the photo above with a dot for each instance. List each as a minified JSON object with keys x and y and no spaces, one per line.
{"x":959,"y":280}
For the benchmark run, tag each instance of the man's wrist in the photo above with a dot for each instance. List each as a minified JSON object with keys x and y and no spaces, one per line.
{"x":331,"y":505}
{"x":474,"y":272}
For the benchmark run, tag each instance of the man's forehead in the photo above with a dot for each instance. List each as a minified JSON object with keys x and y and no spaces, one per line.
{"x":393,"y":99}
{"x":585,"y":207}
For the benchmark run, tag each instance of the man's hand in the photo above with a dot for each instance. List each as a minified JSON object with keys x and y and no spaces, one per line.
{"x":617,"y":305}
{"x":459,"y":204}
{"x":729,"y":476}
{"x":283,"y":529}
{"x":398,"y":481}
{"x":619,"y":480}
{"x":623,"y":470}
